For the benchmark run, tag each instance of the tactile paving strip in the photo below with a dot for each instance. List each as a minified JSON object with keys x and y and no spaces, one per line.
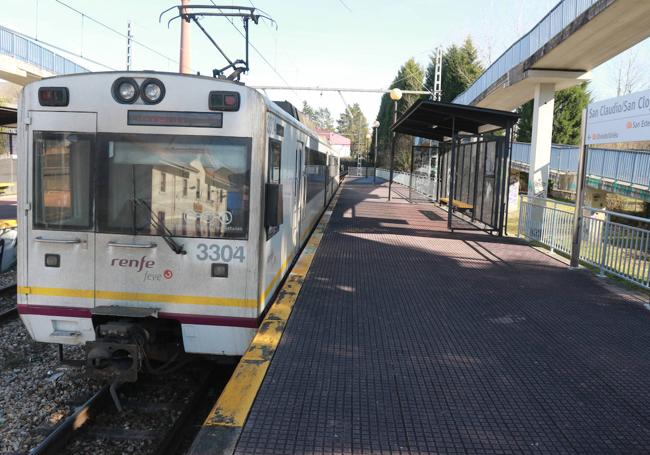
{"x":408,"y":339}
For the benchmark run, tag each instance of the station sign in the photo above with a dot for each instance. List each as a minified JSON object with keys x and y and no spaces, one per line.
{"x":622,"y":119}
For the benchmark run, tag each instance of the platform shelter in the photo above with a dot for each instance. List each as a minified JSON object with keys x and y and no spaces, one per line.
{"x":473,"y":159}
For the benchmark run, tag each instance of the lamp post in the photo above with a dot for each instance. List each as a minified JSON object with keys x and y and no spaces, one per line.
{"x":367,"y":144}
{"x":395,"y":95}
{"x":375,"y":126}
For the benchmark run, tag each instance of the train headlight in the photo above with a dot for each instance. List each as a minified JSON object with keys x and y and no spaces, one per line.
{"x":125,"y":90}
{"x":153,"y":91}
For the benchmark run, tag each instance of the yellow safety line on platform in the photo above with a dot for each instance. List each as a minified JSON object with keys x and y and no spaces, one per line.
{"x":4,"y":224}
{"x":139,"y":297}
{"x":236,"y":400}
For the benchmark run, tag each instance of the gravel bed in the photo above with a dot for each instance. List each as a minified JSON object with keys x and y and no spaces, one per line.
{"x":173,"y":390}
{"x":8,"y":278}
{"x":37,"y":391}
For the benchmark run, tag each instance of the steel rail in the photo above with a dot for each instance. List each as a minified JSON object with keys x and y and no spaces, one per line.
{"x":57,"y":439}
{"x":11,"y":313}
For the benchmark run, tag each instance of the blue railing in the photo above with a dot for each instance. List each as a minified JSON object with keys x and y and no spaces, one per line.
{"x":554,"y":22}
{"x":626,"y":166}
{"x":21,"y":48}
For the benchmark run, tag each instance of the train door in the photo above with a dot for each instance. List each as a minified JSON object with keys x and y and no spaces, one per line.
{"x":60,"y":239}
{"x":299,"y":194}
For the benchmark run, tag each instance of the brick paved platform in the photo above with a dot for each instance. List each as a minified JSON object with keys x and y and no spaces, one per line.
{"x":408,"y":339}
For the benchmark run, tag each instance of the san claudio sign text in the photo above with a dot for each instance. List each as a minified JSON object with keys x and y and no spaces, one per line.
{"x":622,"y":119}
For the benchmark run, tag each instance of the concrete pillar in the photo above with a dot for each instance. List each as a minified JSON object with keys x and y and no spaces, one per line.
{"x":184,"y":65}
{"x":540,"y":150}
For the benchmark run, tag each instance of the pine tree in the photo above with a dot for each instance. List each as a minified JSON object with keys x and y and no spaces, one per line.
{"x":409,"y":77}
{"x":567,"y":116}
{"x":353,"y":125}
{"x":460,"y":68}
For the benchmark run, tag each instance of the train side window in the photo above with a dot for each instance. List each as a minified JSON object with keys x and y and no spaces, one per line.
{"x":63,"y":173}
{"x":316,"y":162}
{"x":274,"y":166}
{"x":163,"y":182}
{"x":275,"y":152}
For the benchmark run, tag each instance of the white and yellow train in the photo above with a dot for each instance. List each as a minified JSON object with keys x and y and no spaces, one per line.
{"x":159,"y":212}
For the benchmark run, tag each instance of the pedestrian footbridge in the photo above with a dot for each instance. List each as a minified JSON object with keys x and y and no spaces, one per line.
{"x":572,"y":39}
{"x":23,"y":60}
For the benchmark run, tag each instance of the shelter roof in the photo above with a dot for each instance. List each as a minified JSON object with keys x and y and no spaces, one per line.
{"x":8,"y":116}
{"x":437,"y":121}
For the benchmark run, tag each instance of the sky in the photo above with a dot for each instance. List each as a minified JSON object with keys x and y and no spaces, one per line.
{"x":324,"y":43}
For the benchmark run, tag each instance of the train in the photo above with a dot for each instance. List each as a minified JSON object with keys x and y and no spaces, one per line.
{"x":158,"y":214}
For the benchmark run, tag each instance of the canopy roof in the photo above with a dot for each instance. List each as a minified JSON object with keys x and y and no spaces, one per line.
{"x":435,"y":120}
{"x":8,"y":116}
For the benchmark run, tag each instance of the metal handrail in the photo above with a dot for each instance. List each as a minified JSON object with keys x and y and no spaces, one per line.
{"x":614,"y":248}
{"x":565,"y":12}
{"x":22,"y":48}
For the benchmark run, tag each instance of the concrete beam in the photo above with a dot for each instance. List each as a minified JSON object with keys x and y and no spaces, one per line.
{"x":519,"y":86}
{"x":19,"y":72}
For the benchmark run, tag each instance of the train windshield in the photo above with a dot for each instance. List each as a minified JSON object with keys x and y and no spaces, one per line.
{"x":189,"y":186}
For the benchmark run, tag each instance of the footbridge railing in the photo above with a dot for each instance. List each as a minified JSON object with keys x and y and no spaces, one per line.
{"x":614,"y":243}
{"x":554,"y":22}
{"x":21,"y":48}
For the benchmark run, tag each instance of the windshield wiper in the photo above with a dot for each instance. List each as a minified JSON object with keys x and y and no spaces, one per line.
{"x":160,"y":226}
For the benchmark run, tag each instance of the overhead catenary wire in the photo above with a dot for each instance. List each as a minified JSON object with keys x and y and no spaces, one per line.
{"x":257,"y":51}
{"x":117,"y":32}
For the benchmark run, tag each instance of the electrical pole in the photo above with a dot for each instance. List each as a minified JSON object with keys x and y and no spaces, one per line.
{"x":437,"y":80}
{"x":184,"y":65}
{"x":129,"y":38}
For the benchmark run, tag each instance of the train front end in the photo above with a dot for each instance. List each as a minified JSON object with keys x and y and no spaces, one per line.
{"x":137,"y":237}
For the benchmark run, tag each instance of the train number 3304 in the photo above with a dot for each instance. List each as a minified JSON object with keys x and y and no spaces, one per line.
{"x":225,"y":253}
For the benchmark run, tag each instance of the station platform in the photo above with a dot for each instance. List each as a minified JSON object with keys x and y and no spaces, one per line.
{"x":406,"y":338}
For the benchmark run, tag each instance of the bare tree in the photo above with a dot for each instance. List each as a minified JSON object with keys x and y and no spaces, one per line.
{"x":629,"y":76}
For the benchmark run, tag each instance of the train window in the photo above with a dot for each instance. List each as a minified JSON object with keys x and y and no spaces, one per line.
{"x":315,"y":170}
{"x":130,"y":164}
{"x":275,"y":152}
{"x":163,"y":182}
{"x":274,"y":161}
{"x":62,"y":180}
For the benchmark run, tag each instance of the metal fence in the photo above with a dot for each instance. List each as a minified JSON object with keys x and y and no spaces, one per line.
{"x":360,"y":171}
{"x":22,"y":48}
{"x":554,"y":22}
{"x":427,"y":186}
{"x":8,"y":163}
{"x":615,"y":243}
{"x":625,"y":166}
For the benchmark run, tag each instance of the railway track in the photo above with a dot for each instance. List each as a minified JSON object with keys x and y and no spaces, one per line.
{"x":8,"y":314}
{"x":152,"y":421}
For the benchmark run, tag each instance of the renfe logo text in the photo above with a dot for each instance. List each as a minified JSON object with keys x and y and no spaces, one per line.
{"x":138,"y":264}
